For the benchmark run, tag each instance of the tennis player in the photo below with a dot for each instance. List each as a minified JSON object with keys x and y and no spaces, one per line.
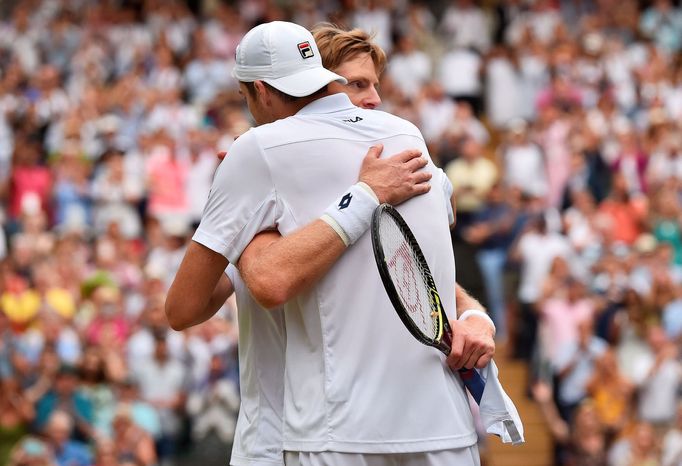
{"x":267,"y":105}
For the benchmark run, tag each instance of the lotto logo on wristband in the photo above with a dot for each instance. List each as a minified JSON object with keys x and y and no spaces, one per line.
{"x":345,"y":201}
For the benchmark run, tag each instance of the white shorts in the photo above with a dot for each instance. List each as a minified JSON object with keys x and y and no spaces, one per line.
{"x":467,"y":456}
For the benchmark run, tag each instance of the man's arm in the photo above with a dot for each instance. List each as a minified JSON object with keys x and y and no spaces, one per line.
{"x":199,"y":289}
{"x":293,"y":262}
{"x":277,"y":269}
{"x":473,"y":339}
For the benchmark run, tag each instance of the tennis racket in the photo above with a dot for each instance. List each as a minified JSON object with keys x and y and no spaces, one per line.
{"x":411,"y":288}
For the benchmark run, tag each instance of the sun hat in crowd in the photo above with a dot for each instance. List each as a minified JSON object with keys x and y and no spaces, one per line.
{"x":285,"y":56}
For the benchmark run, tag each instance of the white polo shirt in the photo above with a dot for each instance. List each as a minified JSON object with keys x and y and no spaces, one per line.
{"x":262,"y":342}
{"x":355,"y":379}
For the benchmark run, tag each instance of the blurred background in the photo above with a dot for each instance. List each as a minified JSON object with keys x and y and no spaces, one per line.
{"x":559,"y":123}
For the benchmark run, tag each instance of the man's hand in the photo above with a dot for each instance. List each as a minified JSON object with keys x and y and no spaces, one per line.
{"x":473,"y":344}
{"x":396,"y":178}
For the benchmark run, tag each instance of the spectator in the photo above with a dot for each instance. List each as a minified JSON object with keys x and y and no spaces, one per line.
{"x":581,"y":443}
{"x":410,"y":67}
{"x":68,"y":396}
{"x":30,"y":182}
{"x":535,"y":250}
{"x":504,"y":87}
{"x":162,"y":382}
{"x":563,"y":306}
{"x":167,"y":175}
{"x":574,"y":366}
{"x":95,"y":378}
{"x":666,"y":221}
{"x":523,"y":164}
{"x":472,"y":175}
{"x":466,"y":25}
{"x":16,"y":414}
{"x":32,"y":451}
{"x":671,"y":449}
{"x":207,"y":74}
{"x":117,"y":194}
{"x":130,"y":442}
{"x":67,"y":452}
{"x":631,"y":162}
{"x":109,"y":327}
{"x":143,"y":414}
{"x":612,"y":393}
{"x":662,"y":21}
{"x":658,"y":376}
{"x":639,"y":448}
{"x":212,"y":405}
{"x":435,"y":111}
{"x":622,"y":210}
{"x":374,"y":16}
{"x":459,"y":74}
{"x":72,"y":194}
{"x":579,"y":222}
{"x":491,"y":230}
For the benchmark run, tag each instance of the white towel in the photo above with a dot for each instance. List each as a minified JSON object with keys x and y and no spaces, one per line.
{"x":498,"y":413}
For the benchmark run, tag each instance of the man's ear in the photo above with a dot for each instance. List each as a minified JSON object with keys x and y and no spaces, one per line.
{"x":262,"y":92}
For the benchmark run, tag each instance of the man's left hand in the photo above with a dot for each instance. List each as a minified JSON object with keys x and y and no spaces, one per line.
{"x":473,"y":343}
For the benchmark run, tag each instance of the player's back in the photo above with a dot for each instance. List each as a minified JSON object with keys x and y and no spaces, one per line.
{"x":356,"y":380}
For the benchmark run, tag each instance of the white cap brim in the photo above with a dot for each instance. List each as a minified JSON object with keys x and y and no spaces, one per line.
{"x":305,"y":82}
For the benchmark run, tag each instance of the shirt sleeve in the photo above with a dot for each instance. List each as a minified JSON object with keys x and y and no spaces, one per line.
{"x":242,"y":201}
{"x":446,"y":185}
{"x":230,"y":271}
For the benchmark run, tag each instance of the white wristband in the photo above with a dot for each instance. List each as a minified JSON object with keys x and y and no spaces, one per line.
{"x":351,"y":214}
{"x":475,"y":312}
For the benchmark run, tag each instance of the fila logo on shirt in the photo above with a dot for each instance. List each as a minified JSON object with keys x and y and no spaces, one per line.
{"x":305,"y":49}
{"x":353,"y":120}
{"x":345,"y":201}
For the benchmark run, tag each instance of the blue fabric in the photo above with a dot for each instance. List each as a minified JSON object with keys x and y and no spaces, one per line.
{"x":672,"y":319}
{"x":74,"y":454}
{"x":80,"y":406}
{"x":491,"y":262}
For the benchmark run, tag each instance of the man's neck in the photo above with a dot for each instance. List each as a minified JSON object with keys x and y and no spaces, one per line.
{"x":298,"y":104}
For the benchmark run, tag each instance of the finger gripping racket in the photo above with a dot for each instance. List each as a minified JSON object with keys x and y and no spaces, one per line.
{"x":410,"y":286}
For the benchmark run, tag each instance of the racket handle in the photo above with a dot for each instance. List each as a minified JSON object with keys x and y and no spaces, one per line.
{"x":473,"y":382}
{"x":471,"y":378}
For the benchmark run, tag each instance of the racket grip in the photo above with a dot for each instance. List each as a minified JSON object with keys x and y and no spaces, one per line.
{"x":473,"y":382}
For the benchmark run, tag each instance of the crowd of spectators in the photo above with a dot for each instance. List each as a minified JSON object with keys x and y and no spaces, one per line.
{"x":558,"y":121}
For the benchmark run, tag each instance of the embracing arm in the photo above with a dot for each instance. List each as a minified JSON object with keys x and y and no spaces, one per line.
{"x":276,"y":268}
{"x":199,"y":289}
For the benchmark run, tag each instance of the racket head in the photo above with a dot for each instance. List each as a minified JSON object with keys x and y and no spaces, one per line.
{"x":407,"y":279}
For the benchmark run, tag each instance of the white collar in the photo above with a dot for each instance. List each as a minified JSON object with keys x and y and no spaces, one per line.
{"x":327,"y":104}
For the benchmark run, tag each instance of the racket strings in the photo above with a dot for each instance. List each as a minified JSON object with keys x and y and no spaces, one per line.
{"x":410,"y":278}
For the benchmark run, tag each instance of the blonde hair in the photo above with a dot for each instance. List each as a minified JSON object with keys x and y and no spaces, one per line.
{"x":338,"y":45}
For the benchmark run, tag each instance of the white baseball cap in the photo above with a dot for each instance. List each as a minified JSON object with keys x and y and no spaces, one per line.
{"x":285,"y":56}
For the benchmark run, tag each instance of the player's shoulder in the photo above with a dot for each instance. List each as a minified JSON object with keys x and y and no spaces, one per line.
{"x":278,"y":132}
{"x":246,"y":142}
{"x":393,"y":122}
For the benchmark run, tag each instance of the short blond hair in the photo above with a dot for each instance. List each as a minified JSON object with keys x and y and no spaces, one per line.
{"x":338,"y":45}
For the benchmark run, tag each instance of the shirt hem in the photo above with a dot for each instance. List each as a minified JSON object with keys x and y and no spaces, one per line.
{"x":238,"y":460}
{"x":383,"y":446}
{"x":211,"y":242}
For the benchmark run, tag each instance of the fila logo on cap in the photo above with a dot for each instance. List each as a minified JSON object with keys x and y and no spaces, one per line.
{"x":305,"y":49}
